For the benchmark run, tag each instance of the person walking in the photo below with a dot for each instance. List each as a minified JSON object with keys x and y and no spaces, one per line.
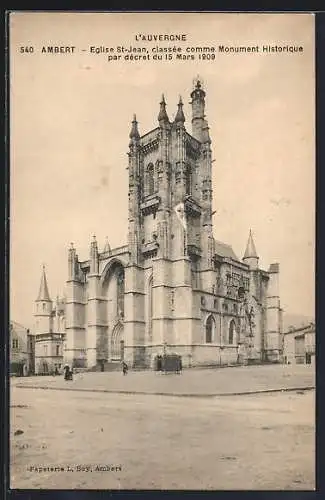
{"x":125,"y":368}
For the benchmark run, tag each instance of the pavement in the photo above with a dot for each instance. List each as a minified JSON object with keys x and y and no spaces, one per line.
{"x":192,"y":382}
{"x":84,"y":440}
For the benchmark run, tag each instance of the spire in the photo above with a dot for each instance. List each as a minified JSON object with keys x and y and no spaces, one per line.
{"x":134,"y":134}
{"x":250,"y":248}
{"x":43,"y":294}
{"x":180,"y":118}
{"x":163,"y":117}
{"x":107,"y":247}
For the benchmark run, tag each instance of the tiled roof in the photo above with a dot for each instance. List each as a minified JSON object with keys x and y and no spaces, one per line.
{"x":224,"y":250}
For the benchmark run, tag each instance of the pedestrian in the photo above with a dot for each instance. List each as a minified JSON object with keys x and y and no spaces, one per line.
{"x":125,"y":368}
{"x":66,"y":372}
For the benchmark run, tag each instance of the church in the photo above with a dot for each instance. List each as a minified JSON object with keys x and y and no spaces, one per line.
{"x":173,"y":288}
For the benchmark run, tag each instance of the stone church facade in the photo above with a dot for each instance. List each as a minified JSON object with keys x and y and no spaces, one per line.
{"x":173,"y":287}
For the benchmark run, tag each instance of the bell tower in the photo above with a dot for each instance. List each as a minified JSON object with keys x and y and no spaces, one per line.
{"x":44,"y":306}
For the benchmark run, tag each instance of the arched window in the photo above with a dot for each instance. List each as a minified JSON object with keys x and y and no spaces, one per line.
{"x":232,"y":332}
{"x":151,"y":179}
{"x":209,"y":329}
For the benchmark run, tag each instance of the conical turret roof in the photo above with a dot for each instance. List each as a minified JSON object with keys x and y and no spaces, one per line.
{"x":250,"y":248}
{"x":180,"y":118}
{"x":43,"y":294}
{"x":134,"y":134}
{"x":162,"y":116}
{"x":107,"y":247}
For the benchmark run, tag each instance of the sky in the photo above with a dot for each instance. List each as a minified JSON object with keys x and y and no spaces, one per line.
{"x":70,"y":120}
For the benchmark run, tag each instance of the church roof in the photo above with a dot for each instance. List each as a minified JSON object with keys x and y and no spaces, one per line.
{"x":250,"y":248}
{"x":43,"y":293}
{"x":224,"y":250}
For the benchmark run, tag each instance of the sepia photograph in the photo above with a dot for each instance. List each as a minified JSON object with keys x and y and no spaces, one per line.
{"x":162,"y":327}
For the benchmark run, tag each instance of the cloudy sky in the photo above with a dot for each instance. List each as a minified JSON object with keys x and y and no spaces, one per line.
{"x":70,"y":120}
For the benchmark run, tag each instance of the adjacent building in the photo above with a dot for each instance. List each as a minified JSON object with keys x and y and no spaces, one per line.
{"x":20,"y":349}
{"x":299,"y":345}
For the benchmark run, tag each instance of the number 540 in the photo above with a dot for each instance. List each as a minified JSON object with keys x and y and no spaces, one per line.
{"x":26,"y":50}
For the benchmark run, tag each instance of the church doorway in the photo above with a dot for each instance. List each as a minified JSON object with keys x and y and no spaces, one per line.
{"x":117,"y":343}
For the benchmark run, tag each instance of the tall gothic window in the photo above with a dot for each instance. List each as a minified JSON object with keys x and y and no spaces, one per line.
{"x":188,"y":180}
{"x":120,"y":293}
{"x":151,"y":179}
{"x":209,"y":329}
{"x":232,"y":332}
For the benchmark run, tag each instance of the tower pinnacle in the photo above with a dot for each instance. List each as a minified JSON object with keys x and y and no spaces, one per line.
{"x":134,"y":134}
{"x":250,"y":256}
{"x":43,"y":294}
{"x":180,"y":118}
{"x":107,"y":247}
{"x":198,"y":114}
{"x":163,"y":117}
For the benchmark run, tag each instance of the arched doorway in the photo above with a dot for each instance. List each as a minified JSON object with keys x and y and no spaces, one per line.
{"x":117,"y":343}
{"x":209,"y":329}
{"x":111,"y":345}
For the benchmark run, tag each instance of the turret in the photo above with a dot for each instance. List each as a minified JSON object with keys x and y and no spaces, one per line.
{"x":43,"y":307}
{"x":250,"y":257}
{"x":134,"y":173}
{"x":162,"y":116}
{"x":134,"y":133}
{"x":43,"y":294}
{"x":180,"y":118}
{"x":198,"y":105}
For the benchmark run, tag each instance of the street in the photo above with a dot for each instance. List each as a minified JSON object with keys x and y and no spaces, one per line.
{"x":262,"y":441}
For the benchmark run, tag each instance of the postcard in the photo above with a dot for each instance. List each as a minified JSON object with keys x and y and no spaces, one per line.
{"x":162,"y":215}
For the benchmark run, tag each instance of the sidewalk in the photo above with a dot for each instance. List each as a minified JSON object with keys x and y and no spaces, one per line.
{"x":199,"y":383}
